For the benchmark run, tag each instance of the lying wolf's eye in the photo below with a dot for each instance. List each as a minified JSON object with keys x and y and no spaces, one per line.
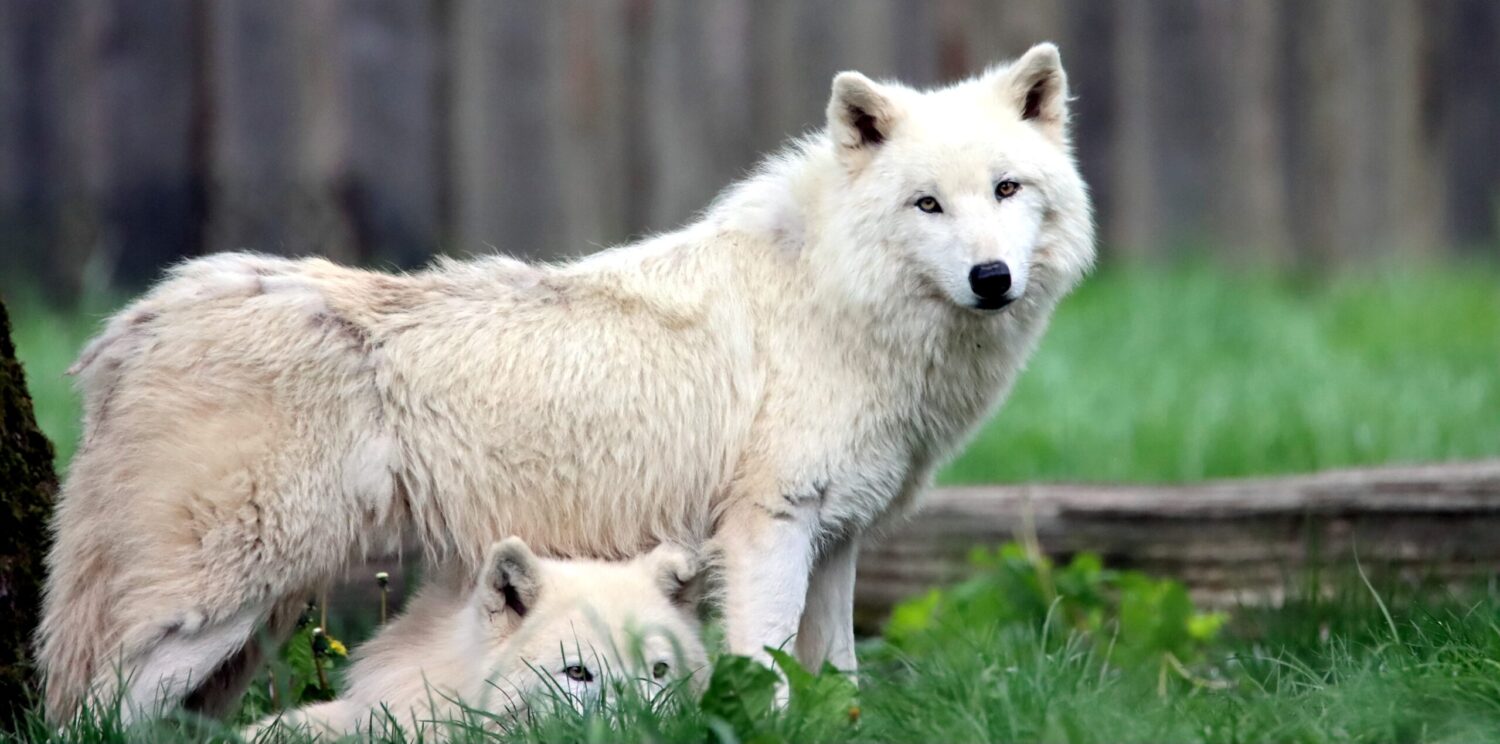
{"x":578,"y":673}
{"x":659,"y":670}
{"x":929,"y":205}
{"x":1006,"y":189}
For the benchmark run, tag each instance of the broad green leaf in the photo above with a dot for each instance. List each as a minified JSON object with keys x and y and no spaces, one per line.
{"x":821,"y":704}
{"x":913,"y":616}
{"x":1204,"y":626}
{"x":740,"y":693}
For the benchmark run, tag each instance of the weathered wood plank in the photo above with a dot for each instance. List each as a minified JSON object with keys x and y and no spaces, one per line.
{"x":1228,"y":540}
{"x":269,"y":189}
{"x":145,"y":65}
{"x":389,"y":53}
{"x":505,"y":129}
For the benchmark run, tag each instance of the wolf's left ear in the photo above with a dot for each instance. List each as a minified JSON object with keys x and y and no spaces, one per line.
{"x":860,"y":114}
{"x":512,"y":579}
{"x":1038,"y":88}
{"x":679,"y":574}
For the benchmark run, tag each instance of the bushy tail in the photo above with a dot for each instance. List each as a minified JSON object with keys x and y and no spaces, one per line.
{"x":77,"y":635}
{"x":79,"y":640}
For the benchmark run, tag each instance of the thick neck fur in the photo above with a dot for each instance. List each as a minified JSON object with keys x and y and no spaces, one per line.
{"x":788,"y":215}
{"x":786,"y":224}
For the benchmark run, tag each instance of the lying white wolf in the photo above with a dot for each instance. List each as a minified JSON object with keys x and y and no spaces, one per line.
{"x":777,"y":376}
{"x":530,"y":626}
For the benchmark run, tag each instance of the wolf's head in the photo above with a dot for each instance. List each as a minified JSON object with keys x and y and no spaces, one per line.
{"x":582,"y":627}
{"x":968,"y":193}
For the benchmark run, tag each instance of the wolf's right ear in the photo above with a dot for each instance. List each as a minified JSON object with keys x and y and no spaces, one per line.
{"x":860,"y":114}
{"x":679,"y":573}
{"x":511,"y":580}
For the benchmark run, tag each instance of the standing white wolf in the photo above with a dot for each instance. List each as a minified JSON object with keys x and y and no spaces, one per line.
{"x":777,"y":377}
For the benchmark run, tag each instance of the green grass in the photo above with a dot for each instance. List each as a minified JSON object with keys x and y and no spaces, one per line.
{"x":1194,"y":373}
{"x":1333,"y":669}
{"x":47,"y":342}
{"x":1440,"y":682}
{"x":1170,"y":375}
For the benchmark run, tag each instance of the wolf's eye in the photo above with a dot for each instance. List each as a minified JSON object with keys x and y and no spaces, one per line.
{"x":659,"y":670}
{"x":929,"y":205}
{"x":578,"y":673}
{"x":1006,"y":189}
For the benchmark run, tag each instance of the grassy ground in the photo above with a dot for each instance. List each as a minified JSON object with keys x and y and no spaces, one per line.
{"x":1146,"y":375}
{"x":1336,"y":669}
{"x":1193,"y":374}
{"x":1168,"y":375}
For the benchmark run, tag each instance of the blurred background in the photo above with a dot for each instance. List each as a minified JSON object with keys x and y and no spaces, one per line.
{"x":1299,"y":201}
{"x":137,"y":132}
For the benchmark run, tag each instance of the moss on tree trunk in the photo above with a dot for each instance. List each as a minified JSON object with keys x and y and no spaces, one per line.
{"x":28,"y":485}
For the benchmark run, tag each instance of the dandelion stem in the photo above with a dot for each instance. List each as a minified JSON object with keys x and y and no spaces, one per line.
{"x":384,"y":580}
{"x":317,"y":654}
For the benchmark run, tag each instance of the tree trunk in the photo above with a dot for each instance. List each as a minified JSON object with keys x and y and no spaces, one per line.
{"x":27,"y":486}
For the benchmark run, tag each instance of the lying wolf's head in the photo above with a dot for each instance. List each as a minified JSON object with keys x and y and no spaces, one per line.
{"x":581,"y":627}
{"x":969,"y":192}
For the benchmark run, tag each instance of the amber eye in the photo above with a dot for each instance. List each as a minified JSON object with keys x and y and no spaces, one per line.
{"x":929,"y":205}
{"x":659,"y":670}
{"x":578,"y":673}
{"x":1006,"y":189}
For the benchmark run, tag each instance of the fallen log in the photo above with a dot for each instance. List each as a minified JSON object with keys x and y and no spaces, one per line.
{"x":1229,"y":541}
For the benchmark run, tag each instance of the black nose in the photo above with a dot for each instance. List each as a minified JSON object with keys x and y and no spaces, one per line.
{"x":990,"y":280}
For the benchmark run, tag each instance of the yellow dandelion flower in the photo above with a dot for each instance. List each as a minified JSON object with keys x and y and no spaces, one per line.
{"x":336,"y":647}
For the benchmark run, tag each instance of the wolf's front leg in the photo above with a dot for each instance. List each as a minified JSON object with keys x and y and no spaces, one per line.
{"x":827,"y":629}
{"x":767,"y":558}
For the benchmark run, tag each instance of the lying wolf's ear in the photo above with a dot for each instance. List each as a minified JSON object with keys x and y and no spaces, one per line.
{"x":512,"y":578}
{"x":679,"y":573}
{"x":860,"y":113}
{"x":1039,"y":89}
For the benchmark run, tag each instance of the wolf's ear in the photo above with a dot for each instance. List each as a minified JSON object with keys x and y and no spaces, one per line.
{"x":512,"y":578}
{"x":1039,"y":89}
{"x":678,"y":573}
{"x":860,"y":113}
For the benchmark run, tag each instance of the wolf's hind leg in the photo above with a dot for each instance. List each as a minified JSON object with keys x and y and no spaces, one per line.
{"x":221,"y":692}
{"x":166,"y":672}
{"x":827,"y":629}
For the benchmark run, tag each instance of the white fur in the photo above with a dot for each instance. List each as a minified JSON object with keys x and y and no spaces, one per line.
{"x":777,"y":377}
{"x":459,"y":647}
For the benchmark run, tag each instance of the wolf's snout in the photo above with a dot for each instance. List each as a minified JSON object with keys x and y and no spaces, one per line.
{"x":991,"y":282}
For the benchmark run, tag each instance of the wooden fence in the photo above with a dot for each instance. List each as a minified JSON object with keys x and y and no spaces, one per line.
{"x":134,"y":132}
